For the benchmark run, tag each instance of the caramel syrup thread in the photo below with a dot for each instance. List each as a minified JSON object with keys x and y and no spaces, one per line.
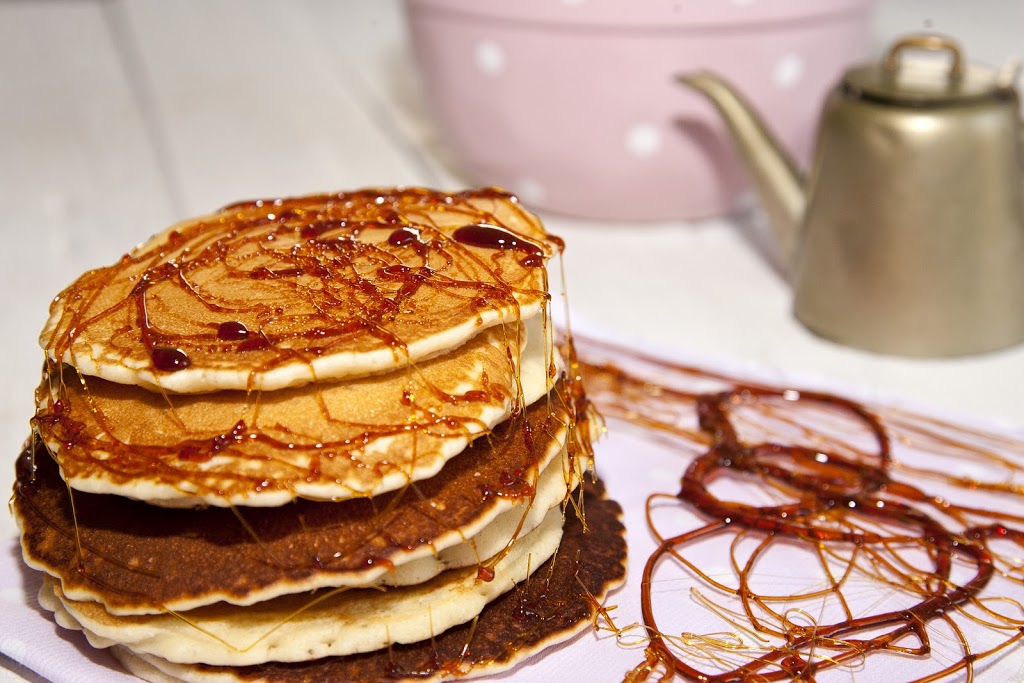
{"x":833,"y":586}
{"x":602,"y":613}
{"x":966,"y":662}
{"x":815,"y":438}
{"x":458,"y":665}
{"x":653,"y":659}
{"x":959,"y":512}
{"x":67,"y":327}
{"x":962,"y":440}
{"x":316,"y":600}
{"x":780,"y":660}
{"x":881,"y":568}
{"x":657,"y":639}
{"x":264,"y":547}
{"x":579,"y":450}
{"x":790,"y":626}
{"x":486,"y":568}
{"x":614,"y":350}
{"x":850,"y":654}
{"x":895,"y":636}
{"x":79,"y":554}
{"x":171,"y":411}
{"x":667,"y":546}
{"x":990,"y":618}
{"x":746,"y":596}
{"x":901,"y":420}
{"x":80,"y":545}
{"x":787,"y":629}
{"x":1007,"y":485}
{"x":515,"y":360}
{"x":908,"y":575}
{"x":728,"y":639}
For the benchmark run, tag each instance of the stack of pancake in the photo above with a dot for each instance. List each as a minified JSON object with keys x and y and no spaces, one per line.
{"x":322,"y":438}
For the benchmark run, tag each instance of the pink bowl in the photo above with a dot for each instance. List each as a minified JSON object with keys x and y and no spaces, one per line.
{"x":572,"y":104}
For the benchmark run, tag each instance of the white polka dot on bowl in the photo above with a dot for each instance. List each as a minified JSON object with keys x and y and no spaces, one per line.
{"x":643,"y":140}
{"x":490,"y":58}
{"x":788,"y":71}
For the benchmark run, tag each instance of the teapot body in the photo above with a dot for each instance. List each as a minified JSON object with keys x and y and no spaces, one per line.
{"x":912,"y":241}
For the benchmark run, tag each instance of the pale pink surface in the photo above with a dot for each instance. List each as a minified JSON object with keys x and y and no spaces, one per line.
{"x":584,"y":117}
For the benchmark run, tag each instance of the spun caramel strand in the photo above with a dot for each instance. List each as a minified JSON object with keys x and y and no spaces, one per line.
{"x":845,"y":496}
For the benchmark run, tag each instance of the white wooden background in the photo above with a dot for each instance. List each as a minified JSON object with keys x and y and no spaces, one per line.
{"x":118,"y":117}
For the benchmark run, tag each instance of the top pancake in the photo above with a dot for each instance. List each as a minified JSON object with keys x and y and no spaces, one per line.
{"x":278,"y":293}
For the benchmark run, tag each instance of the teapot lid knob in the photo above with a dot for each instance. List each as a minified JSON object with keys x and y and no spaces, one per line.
{"x":926,"y":41}
{"x":904,"y":79}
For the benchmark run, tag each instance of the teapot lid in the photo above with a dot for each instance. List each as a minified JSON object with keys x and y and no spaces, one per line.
{"x":923,"y":81}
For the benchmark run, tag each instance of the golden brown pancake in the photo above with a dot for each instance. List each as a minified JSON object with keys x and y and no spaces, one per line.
{"x":327,"y":440}
{"x":137,"y":558}
{"x":278,"y":293}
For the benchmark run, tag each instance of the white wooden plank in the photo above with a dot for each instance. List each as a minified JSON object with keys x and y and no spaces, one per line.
{"x":75,"y":146}
{"x":373,"y":55}
{"x":250,"y":105}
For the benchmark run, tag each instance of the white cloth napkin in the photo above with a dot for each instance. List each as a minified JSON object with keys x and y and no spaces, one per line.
{"x":29,"y":636}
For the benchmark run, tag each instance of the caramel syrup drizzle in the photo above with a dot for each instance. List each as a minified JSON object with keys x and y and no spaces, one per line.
{"x":836,"y":484}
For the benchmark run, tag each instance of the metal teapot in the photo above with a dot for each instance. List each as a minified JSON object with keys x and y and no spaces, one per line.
{"x":907,"y":235}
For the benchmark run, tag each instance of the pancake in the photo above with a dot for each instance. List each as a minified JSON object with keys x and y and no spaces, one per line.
{"x":140,"y":559}
{"x":302,"y":626}
{"x":556,"y":603}
{"x":277,"y":293}
{"x":326,"y":441}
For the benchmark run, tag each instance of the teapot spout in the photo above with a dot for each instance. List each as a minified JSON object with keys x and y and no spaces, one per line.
{"x":778,"y":182}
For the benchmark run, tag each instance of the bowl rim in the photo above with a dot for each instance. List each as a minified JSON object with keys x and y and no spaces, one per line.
{"x":626,"y":14}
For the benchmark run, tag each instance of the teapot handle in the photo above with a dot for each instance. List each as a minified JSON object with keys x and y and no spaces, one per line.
{"x":926,"y":41}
